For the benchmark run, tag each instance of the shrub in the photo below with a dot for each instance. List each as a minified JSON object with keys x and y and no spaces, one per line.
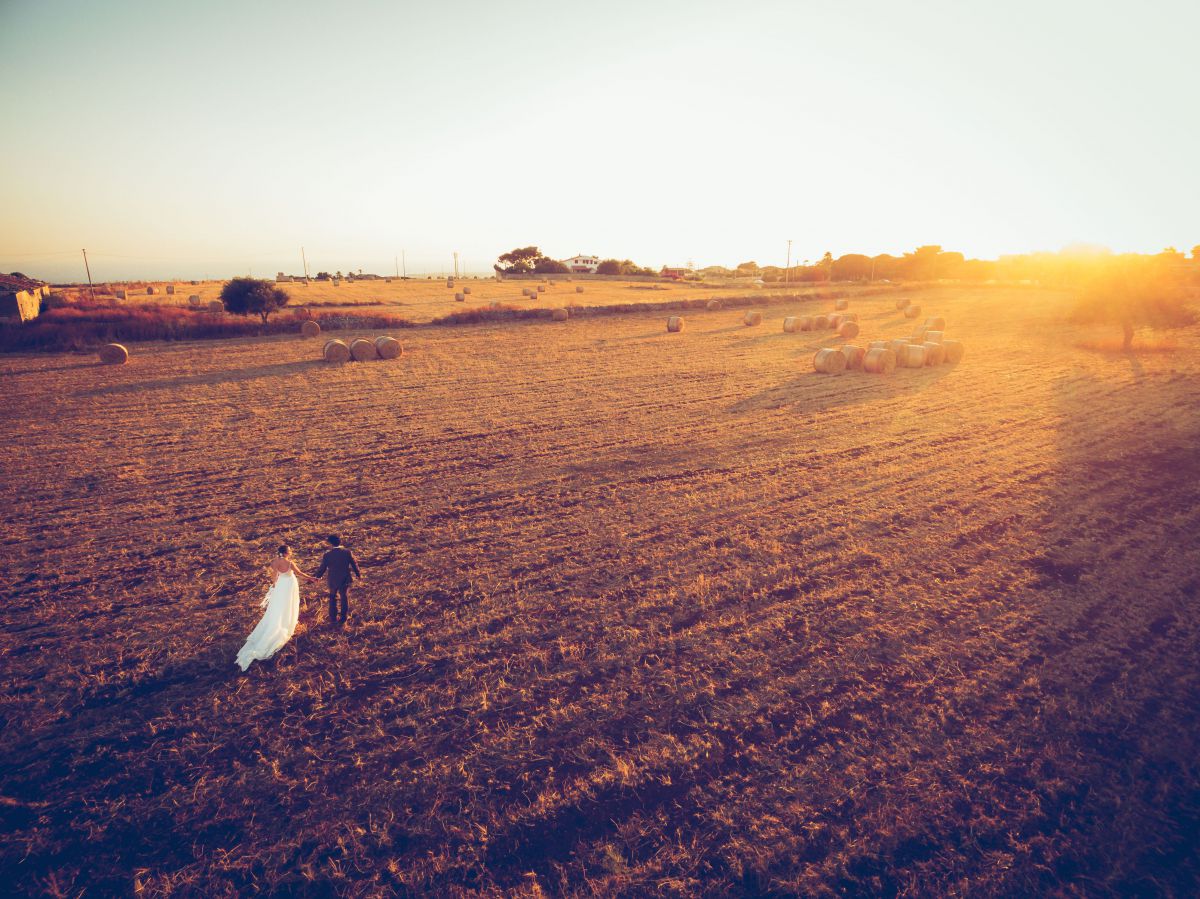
{"x":253,"y":296}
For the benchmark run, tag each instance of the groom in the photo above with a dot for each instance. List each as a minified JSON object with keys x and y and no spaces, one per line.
{"x":338,"y":563}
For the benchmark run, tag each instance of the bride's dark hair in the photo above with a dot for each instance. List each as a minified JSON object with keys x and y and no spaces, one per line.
{"x":284,"y":549}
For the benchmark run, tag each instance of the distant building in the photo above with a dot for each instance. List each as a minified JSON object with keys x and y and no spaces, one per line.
{"x":583,"y":265}
{"x":21,"y":297}
{"x":674,"y":274}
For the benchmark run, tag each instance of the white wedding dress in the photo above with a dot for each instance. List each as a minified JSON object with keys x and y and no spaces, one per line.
{"x":277,"y":624}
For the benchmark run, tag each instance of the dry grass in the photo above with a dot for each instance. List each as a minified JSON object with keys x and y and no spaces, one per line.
{"x":644,"y":614}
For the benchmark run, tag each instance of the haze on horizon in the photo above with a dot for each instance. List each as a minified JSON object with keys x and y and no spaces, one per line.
{"x":178,"y":140}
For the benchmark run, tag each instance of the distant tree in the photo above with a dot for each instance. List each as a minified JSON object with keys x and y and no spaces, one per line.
{"x":827,"y":265}
{"x":609,"y":267}
{"x":921,"y":263}
{"x":339,"y":274}
{"x":544,"y":265}
{"x":323,"y":276}
{"x":629,"y":267}
{"x":852,"y":267}
{"x":1135,"y":291}
{"x":253,"y":296}
{"x":747,"y":269}
{"x":519,"y":261}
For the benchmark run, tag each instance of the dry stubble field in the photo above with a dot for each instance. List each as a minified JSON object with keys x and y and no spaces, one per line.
{"x":643,"y":614}
{"x":421,"y":299}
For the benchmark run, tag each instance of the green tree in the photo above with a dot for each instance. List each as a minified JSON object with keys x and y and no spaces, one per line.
{"x":1135,"y":291}
{"x":609,"y":267}
{"x":544,"y":265}
{"x":749,"y":269}
{"x":253,"y":296}
{"x":519,"y":261}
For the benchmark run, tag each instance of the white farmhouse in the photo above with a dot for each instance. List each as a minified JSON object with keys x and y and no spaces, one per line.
{"x":584,"y":265}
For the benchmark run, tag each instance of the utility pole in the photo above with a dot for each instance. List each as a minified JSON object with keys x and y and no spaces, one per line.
{"x":396,"y":259}
{"x":456,"y":263}
{"x":304,"y":261}
{"x":787,"y":268}
{"x":403,"y":264}
{"x":87,"y":268}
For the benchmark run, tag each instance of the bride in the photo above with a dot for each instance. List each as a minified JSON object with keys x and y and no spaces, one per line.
{"x":282,"y":603}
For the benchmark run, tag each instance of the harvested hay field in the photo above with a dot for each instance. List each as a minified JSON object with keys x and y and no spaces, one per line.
{"x":422,"y":300}
{"x":643,"y":613}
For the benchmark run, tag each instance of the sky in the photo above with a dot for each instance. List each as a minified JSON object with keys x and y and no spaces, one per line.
{"x":218,"y":138}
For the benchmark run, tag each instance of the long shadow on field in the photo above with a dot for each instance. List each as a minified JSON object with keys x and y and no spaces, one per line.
{"x":278,"y":370}
{"x":1114,"y":644}
{"x":813,"y":391}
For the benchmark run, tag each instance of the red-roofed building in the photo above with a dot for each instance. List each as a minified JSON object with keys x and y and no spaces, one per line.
{"x":21,"y":297}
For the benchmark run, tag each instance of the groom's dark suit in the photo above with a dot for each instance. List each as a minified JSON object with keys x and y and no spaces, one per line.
{"x":338,"y":564}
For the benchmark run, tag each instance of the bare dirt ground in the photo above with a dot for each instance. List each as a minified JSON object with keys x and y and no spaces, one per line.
{"x":644,"y":613}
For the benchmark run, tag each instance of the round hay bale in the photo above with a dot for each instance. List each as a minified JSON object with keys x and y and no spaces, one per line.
{"x":336,"y":283}
{"x":807,"y":323}
{"x":829,"y":361}
{"x":849,"y":316}
{"x":449,"y":282}
{"x":113,"y":354}
{"x":835,"y":322}
{"x":841,"y":304}
{"x":752,"y":318}
{"x":935,"y":323}
{"x":848,"y":330}
{"x":913,"y":356}
{"x":935,"y":353}
{"x":541,"y":288}
{"x":954,"y":351}
{"x":194,"y":300}
{"x":466,"y":290}
{"x":919,"y":334}
{"x":335,"y":351}
{"x":934,"y":336}
{"x":526,"y":292}
{"x":460,"y":297}
{"x":310,"y":329}
{"x":363,"y":350}
{"x":216,"y":306}
{"x":713,"y":305}
{"x":171,"y":289}
{"x":897,"y":347}
{"x":791,"y":324}
{"x":912,"y":311}
{"x":388,"y":347}
{"x":902,"y":303}
{"x":150,"y":291}
{"x":879,"y":361}
{"x":121,"y":294}
{"x":854,"y":355}
{"x":675,"y":324}
{"x":560,"y":315}
{"x":821,"y":323}
{"x":579,"y":288}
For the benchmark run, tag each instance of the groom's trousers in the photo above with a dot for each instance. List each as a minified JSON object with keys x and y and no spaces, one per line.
{"x":339,"y":602}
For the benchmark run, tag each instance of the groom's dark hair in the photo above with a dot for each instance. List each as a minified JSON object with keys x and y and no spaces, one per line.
{"x":334,"y":540}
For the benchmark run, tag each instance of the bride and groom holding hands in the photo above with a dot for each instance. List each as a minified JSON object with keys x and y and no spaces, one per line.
{"x":282,"y":602}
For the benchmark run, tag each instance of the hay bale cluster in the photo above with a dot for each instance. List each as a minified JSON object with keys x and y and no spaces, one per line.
{"x":927,"y":347}
{"x":361,"y":349}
